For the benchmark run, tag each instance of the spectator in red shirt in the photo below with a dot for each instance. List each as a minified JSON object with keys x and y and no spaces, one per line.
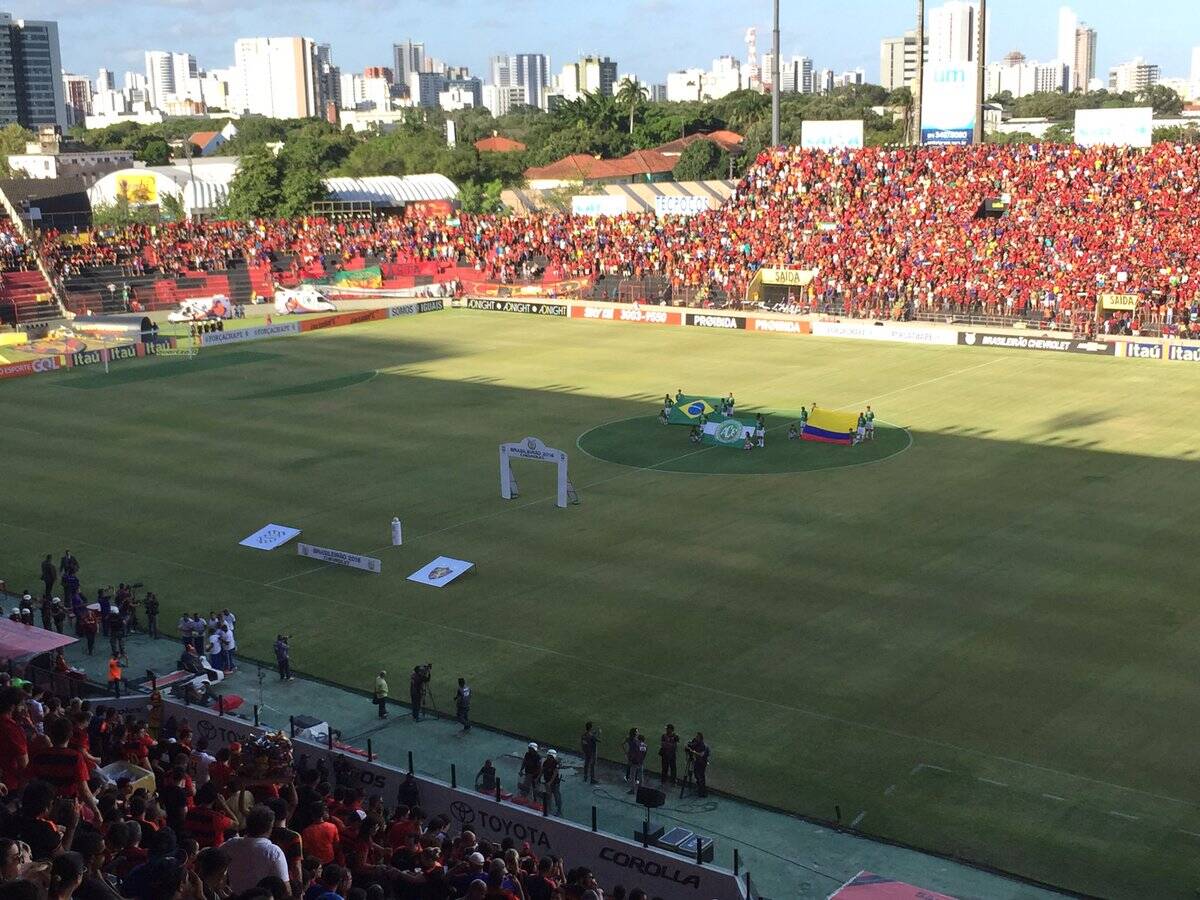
{"x":209,"y":819}
{"x":63,"y":767}
{"x":14,"y":749}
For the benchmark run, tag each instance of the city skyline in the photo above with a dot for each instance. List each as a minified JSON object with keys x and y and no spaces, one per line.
{"x":209,"y":31}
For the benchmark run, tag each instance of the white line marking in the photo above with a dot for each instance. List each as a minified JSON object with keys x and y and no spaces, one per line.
{"x":574,"y":657}
{"x":1121,"y":815}
{"x":1056,"y":797}
{"x":991,"y":781}
{"x":1189,"y":833}
{"x":919,"y":766}
{"x":857,"y":819}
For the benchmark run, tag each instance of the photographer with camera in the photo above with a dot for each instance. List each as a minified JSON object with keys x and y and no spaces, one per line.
{"x":698,"y":753}
{"x":418,"y":687}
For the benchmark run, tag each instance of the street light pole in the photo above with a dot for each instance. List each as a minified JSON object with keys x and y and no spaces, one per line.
{"x":775,"y":79}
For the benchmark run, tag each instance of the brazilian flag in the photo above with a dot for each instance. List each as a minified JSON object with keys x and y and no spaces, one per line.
{"x":688,"y":410}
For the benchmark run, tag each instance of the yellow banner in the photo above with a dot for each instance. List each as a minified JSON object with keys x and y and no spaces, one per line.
{"x":76,"y":240}
{"x":138,"y":188}
{"x":787,"y":276}
{"x":1119,"y":301}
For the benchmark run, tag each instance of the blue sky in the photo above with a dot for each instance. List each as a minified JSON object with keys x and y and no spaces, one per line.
{"x":646,"y":37}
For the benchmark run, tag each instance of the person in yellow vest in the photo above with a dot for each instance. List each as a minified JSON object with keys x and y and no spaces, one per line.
{"x":114,"y":674}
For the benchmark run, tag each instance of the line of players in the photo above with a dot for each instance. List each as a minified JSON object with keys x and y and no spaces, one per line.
{"x":864,"y":429}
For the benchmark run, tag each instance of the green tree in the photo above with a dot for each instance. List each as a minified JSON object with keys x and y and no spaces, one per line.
{"x":171,"y":208}
{"x":12,"y":141}
{"x":701,"y":161}
{"x":255,"y":191}
{"x":300,"y":182}
{"x":121,"y":212}
{"x":631,"y":96}
{"x":155,"y":152}
{"x":1163,"y":99}
{"x":1178,"y":134}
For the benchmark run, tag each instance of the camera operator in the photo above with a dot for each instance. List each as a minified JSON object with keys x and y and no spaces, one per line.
{"x":417,"y":686}
{"x":283,"y":656}
{"x":698,"y":754}
{"x":668,"y":752}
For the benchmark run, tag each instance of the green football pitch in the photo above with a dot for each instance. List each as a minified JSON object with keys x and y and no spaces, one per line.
{"x":977,"y":635}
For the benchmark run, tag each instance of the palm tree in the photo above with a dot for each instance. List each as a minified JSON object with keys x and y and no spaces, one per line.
{"x":631,"y":95}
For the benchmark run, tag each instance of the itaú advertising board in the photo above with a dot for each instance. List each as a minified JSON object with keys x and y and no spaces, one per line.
{"x":612,"y":859}
{"x":648,"y":315}
{"x":948,"y":105}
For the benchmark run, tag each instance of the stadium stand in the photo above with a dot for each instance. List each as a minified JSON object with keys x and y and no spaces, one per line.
{"x":25,"y":297}
{"x":891,"y":232}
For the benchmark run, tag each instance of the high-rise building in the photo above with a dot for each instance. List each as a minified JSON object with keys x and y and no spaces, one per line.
{"x":597,"y":75}
{"x":407,"y":57}
{"x":277,"y":77}
{"x":77,"y":92}
{"x":502,"y":70}
{"x":500,"y":100}
{"x":160,"y":77}
{"x":31,"y":85}
{"x":658,"y":93}
{"x":951,"y":32}
{"x":798,"y":76}
{"x":1051,"y":78}
{"x":1068,"y":25}
{"x":1133,"y":76}
{"x":1083,"y":66}
{"x":105,"y":81}
{"x":532,"y":72}
{"x":329,"y":84}
{"x":684,"y":86}
{"x":424,"y":88}
{"x":898,"y":60}
{"x":380,"y":72}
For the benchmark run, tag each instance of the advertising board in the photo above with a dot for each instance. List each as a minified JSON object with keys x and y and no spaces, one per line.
{"x":868,"y":331}
{"x":679,"y":206}
{"x":649,"y":315}
{"x":948,"y":104}
{"x":1043,"y":344}
{"x":241,"y":335}
{"x":598,"y":205}
{"x":816,"y":134}
{"x":1117,"y":127}
{"x":517,"y":306}
{"x":706,"y":320}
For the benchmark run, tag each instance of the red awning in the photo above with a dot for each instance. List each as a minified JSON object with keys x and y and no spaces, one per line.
{"x":18,"y":641}
{"x":868,"y":886}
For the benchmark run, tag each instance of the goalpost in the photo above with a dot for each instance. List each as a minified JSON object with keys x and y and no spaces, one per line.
{"x":532,"y":448}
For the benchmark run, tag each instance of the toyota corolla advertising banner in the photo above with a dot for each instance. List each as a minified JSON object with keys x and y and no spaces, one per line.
{"x":948,"y":105}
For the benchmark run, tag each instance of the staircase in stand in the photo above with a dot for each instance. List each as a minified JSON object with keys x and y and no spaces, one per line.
{"x":26,"y":299}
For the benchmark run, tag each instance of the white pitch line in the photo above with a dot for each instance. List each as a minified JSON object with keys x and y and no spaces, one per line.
{"x":991,"y":781}
{"x":576,"y":660}
{"x":891,"y":789}
{"x":1056,"y":797}
{"x":919,"y":766}
{"x":1121,"y":815}
{"x":857,"y":819}
{"x":1189,"y":833}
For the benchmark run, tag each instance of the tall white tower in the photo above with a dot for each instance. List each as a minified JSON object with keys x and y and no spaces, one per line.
{"x":753,"y":73}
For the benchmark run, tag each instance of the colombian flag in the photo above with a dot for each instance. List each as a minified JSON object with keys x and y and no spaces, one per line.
{"x":831,"y":427}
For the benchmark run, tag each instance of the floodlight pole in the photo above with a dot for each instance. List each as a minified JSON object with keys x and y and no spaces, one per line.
{"x":775,"y":79}
{"x":919,"y":81}
{"x":980,"y":70}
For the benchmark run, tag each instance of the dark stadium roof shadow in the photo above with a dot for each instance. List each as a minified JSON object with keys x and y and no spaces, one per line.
{"x":1073,"y":420}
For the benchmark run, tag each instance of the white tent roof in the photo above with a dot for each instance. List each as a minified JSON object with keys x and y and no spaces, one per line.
{"x":392,"y":190}
{"x":209,"y":189}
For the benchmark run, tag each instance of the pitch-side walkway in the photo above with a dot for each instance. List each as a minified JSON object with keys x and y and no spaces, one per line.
{"x":786,"y":856}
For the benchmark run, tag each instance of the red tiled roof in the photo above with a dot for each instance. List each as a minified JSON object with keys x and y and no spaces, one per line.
{"x":726,"y":140}
{"x":497,"y":144}
{"x":581,"y":167}
{"x":201,"y":138}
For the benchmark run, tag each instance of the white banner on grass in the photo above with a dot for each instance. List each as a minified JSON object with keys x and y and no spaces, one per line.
{"x":441,"y":571}
{"x":340,"y":557}
{"x":270,"y":536}
{"x":217,"y":338}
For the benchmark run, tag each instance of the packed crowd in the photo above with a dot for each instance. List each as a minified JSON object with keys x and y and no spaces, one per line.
{"x":15,"y":253}
{"x":891,"y":232}
{"x":81,"y":820}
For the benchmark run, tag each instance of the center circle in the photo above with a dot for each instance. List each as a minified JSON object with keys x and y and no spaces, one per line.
{"x":643,"y":442}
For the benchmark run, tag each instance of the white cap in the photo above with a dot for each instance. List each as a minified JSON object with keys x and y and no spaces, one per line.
{"x":553,"y":754}
{"x":532,"y":746}
{"x":476,"y":858}
{"x":56,"y":600}
{"x":26,"y":597}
